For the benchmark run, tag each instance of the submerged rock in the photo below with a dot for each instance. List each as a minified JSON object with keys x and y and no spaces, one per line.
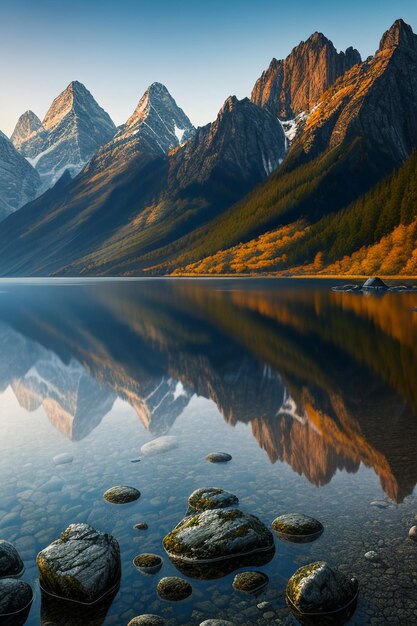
{"x":317,"y":594}
{"x":15,"y":599}
{"x":215,"y":542}
{"x":148,"y":563}
{"x":211,"y":498}
{"x":141,"y":526}
{"x":297,"y":527}
{"x":412,"y":533}
{"x":174,"y":588}
{"x":147,"y":620}
{"x":121,"y":494}
{"x":374,"y":283}
{"x":83,"y":565}
{"x":371,"y":555}
{"x":159,"y":445}
{"x":63,"y":459}
{"x":250,"y":582}
{"x":218,"y":457}
{"x":216,"y":622}
{"x":10,"y":562}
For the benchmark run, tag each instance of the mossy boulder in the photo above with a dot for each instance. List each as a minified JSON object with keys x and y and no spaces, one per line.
{"x":297,"y":527}
{"x":148,"y":563}
{"x":83,"y":565}
{"x":218,"y":457}
{"x":147,"y":620}
{"x":174,"y":588}
{"x":250,"y":582}
{"x":10,"y":562}
{"x":121,"y":494}
{"x":15,"y":599}
{"x":216,"y":536}
{"x":204,"y":499}
{"x":318,"y":594}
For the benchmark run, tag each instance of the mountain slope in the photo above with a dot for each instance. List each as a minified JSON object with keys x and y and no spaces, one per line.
{"x":295,"y":84}
{"x":361,"y":129}
{"x":131,"y":197}
{"x":19,"y":182}
{"x":72,"y":130}
{"x":376,"y":234}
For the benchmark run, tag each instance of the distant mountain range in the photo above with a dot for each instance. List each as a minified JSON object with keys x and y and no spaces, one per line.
{"x":286,"y":182}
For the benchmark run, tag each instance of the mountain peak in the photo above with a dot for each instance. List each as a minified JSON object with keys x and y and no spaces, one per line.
{"x":27,"y":126}
{"x":159,"y":118}
{"x":75,"y":96}
{"x":400,"y":34}
{"x":294,"y":85}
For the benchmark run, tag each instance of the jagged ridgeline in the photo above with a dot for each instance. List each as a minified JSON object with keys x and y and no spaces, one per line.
{"x":313,"y":174}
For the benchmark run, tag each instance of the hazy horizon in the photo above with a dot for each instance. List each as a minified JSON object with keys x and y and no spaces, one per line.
{"x":202,"y":53}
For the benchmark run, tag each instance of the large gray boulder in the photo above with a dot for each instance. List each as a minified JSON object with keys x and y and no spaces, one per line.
{"x":10,"y":562}
{"x":83,"y":565}
{"x":215,"y":542}
{"x":316,"y":591}
{"x":15,"y":599}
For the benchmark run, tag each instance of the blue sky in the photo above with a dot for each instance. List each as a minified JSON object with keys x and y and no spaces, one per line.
{"x":202,"y":51}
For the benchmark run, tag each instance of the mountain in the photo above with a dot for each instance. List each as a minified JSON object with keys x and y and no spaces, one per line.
{"x":19,"y":181}
{"x":294,"y":85}
{"x":72,"y":130}
{"x":29,"y":135}
{"x":132,"y":197}
{"x":361,"y":129}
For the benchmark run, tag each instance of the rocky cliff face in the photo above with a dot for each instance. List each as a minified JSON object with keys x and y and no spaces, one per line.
{"x":72,"y":130}
{"x":295,"y":84}
{"x":244,"y":143}
{"x":375,"y":100}
{"x":19,"y":181}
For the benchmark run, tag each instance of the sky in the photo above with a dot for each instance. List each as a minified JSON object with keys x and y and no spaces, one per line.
{"x":202,"y":51}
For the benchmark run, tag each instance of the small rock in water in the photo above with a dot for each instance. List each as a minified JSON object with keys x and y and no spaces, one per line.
{"x":211,"y":498}
{"x":216,"y":622}
{"x":63,"y":459}
{"x":141,"y":526}
{"x":371,"y":556}
{"x":15,"y":596}
{"x":148,"y":563}
{"x":10,"y":562}
{"x":174,"y":588}
{"x":135,"y":460}
{"x":159,"y":445}
{"x":250,"y":582}
{"x":380,"y":504}
{"x":318,"y":589}
{"x":297,"y":527}
{"x":264,"y":606}
{"x":412,"y":533}
{"x":374,"y":283}
{"x":83,"y":565}
{"x":121,"y":494}
{"x":147,"y":620}
{"x":218,"y":457}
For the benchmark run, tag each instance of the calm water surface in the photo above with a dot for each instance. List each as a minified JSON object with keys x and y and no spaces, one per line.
{"x":313,"y":392}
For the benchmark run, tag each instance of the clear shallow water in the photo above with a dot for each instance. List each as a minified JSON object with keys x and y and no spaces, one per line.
{"x":313,"y":393}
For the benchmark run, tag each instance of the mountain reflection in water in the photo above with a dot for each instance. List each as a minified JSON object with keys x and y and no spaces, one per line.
{"x":325,"y":379}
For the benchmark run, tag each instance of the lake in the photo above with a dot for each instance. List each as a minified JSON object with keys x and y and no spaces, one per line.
{"x":313,"y":392}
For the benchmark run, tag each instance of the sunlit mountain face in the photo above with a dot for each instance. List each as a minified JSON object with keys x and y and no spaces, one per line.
{"x":325,"y":380}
